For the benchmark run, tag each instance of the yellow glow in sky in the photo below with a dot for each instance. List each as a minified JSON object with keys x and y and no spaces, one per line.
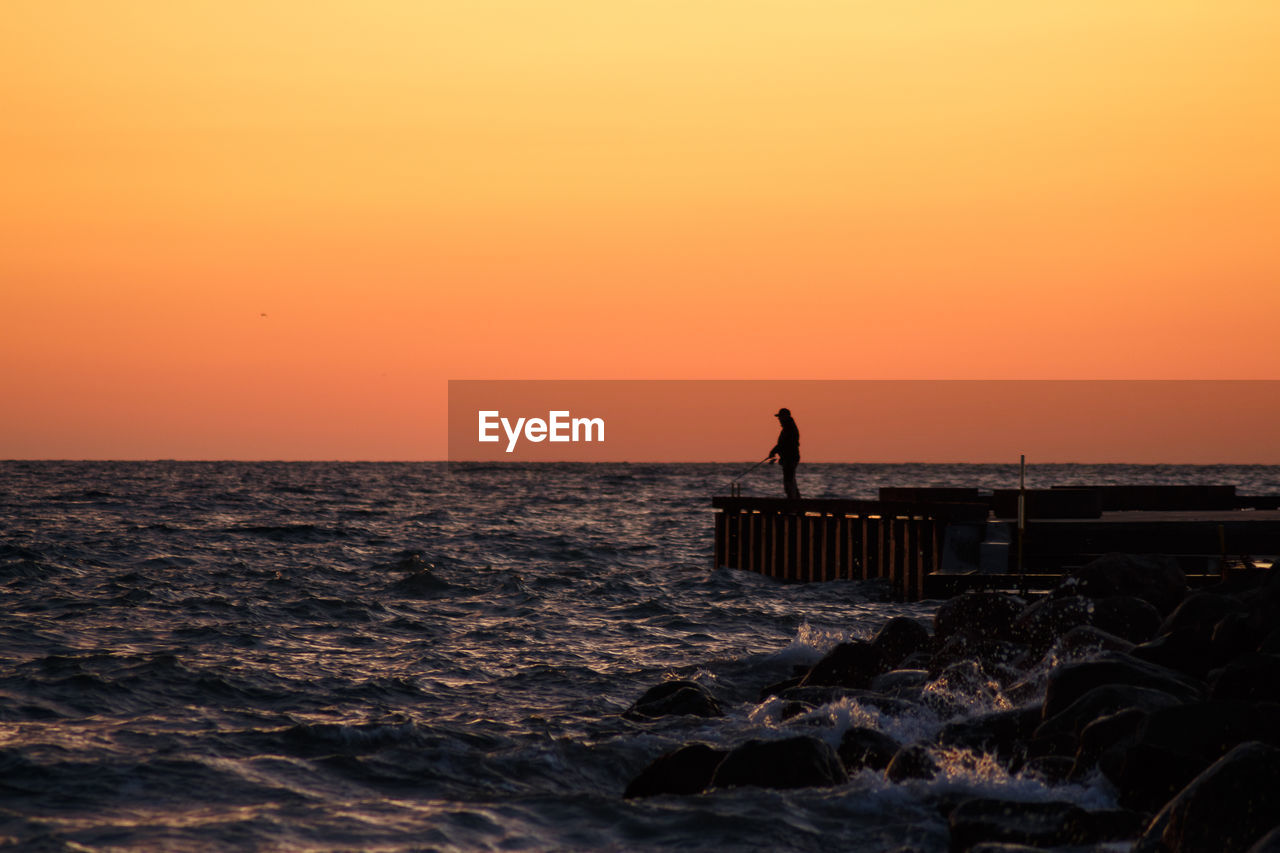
{"x":417,"y":191}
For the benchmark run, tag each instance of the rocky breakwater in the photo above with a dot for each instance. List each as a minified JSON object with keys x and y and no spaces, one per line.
{"x":1121,"y":679}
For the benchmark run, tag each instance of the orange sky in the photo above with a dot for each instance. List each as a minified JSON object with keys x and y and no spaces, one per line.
{"x":417,"y":191}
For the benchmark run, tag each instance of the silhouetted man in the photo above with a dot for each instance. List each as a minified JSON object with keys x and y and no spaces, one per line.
{"x":787,"y":451}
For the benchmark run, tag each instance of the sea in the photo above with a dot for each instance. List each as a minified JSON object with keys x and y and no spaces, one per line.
{"x":422,"y":656}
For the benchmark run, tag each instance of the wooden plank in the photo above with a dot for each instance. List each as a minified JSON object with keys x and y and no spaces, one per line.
{"x":768,"y":561}
{"x":955,"y":511}
{"x":755,"y":529}
{"x":721,"y":526}
{"x":867,"y":548}
{"x":1156,"y":497}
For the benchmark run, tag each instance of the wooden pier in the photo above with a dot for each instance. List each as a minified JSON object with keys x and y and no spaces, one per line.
{"x":931,"y":542}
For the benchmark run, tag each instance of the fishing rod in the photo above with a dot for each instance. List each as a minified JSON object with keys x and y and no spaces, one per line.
{"x":734,"y":488}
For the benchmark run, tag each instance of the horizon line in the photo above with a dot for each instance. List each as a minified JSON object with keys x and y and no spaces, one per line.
{"x":612,"y":462}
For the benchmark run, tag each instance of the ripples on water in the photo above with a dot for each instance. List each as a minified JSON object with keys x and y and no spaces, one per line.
{"x":248,"y":655}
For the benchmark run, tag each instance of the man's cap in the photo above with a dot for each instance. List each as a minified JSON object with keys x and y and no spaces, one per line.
{"x":782,"y":412}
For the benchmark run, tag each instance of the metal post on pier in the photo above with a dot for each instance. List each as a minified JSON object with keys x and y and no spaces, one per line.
{"x":1022,"y":519}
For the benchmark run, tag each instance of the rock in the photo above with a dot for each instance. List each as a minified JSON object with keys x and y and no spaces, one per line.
{"x":674,"y":698}
{"x":1085,"y":640}
{"x":851,"y":664}
{"x":1126,"y":616}
{"x":1233,"y":636}
{"x":1186,"y":650}
{"x":1269,"y":843}
{"x":1147,"y":776}
{"x":1157,"y":580}
{"x":961,"y":648}
{"x":1254,"y":677}
{"x":966,"y":678}
{"x":1270,"y":645}
{"x":778,"y":687}
{"x":1000,"y":733}
{"x":795,"y":709}
{"x":423,"y":583}
{"x":863,"y":747}
{"x":1200,"y":611}
{"x":900,"y":681}
{"x":795,"y":762}
{"x":1174,"y":744}
{"x":1100,"y":702}
{"x":1229,"y":807}
{"x":1029,"y":689}
{"x":687,"y":770}
{"x":1069,"y":682}
{"x":1036,"y":824}
{"x":918,"y":660}
{"x":1039,"y":625}
{"x":1047,"y":824}
{"x":1112,"y":733}
{"x":901,"y":637}
{"x":819,"y":696}
{"x":978,"y":615}
{"x":1210,"y":729}
{"x":911,"y":762}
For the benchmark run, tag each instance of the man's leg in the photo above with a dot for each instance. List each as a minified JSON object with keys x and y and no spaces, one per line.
{"x":789,"y":479}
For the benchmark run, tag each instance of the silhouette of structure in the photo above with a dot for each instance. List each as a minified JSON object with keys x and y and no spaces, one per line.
{"x":936,"y":542}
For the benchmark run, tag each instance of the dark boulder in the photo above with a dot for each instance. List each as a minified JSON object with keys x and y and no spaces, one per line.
{"x":1229,"y":807}
{"x":1069,"y":682}
{"x":1200,"y":611}
{"x":819,"y":696}
{"x":1085,"y":641}
{"x":1100,"y":702}
{"x":913,"y":761}
{"x":982,"y":821}
{"x":1155,"y":579}
{"x":423,"y":583}
{"x":687,"y":770}
{"x":1210,"y":729}
{"x":778,"y":687}
{"x":1187,"y":650}
{"x":1147,"y":776}
{"x":674,"y":698}
{"x":851,"y":664}
{"x":961,"y":648}
{"x":1040,"y":624}
{"x":966,"y":678}
{"x":795,"y":709}
{"x":863,"y":747}
{"x":1234,"y":635}
{"x":917,"y":660}
{"x":795,"y":762}
{"x":900,"y":638}
{"x":1035,"y":824}
{"x":1173,"y":745}
{"x":1000,"y":733}
{"x":900,"y":681}
{"x":1269,"y":843}
{"x":1126,"y":616}
{"x":1254,"y":677}
{"x":978,"y":615}
{"x":1114,"y":733}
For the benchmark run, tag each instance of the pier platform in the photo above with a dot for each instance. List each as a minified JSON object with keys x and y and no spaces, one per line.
{"x":935,"y":542}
